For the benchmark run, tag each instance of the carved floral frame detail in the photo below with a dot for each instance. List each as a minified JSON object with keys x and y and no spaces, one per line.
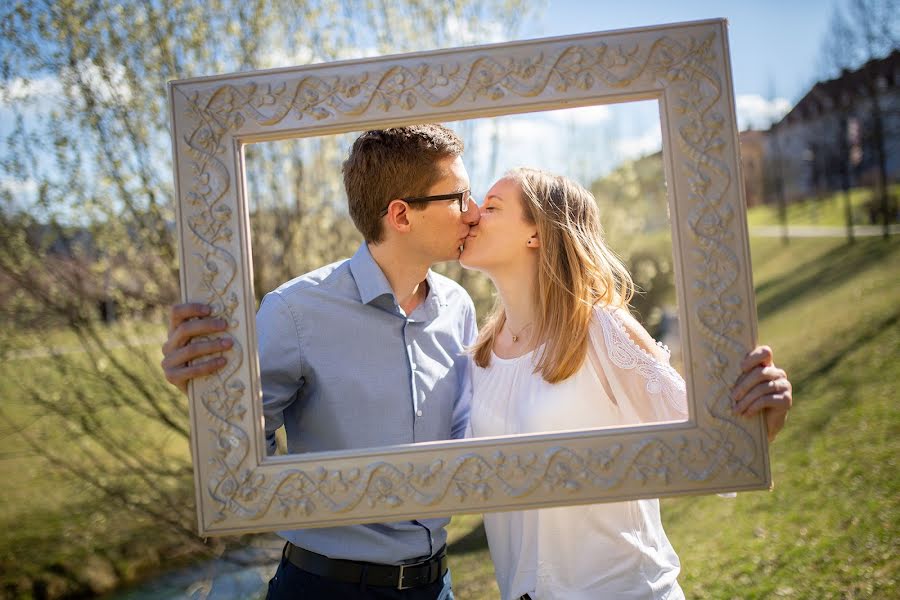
{"x":685,"y":67}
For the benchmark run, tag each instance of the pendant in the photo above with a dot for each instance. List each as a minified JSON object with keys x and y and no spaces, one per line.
{"x":515,"y":339}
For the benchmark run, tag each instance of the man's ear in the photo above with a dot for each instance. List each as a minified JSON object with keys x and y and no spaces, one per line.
{"x":398,"y":216}
{"x":533,"y":241}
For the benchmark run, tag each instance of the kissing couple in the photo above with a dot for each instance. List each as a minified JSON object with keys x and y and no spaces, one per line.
{"x":379,"y":350}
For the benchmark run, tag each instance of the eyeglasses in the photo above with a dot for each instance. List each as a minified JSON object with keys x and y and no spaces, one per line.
{"x":464,"y":198}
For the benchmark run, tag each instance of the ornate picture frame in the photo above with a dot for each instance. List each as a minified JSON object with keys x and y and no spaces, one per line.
{"x":685,"y":67}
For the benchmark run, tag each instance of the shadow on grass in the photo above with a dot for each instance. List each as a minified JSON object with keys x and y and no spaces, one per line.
{"x":821,"y":273}
{"x":474,"y":541}
{"x":839,"y":350}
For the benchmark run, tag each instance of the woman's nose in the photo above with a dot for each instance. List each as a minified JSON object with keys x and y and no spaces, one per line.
{"x":472,"y":215}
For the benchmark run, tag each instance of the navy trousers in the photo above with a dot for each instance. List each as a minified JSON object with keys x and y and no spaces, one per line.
{"x":290,"y":582}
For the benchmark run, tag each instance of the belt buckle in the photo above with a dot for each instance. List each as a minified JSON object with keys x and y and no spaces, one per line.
{"x":400,"y":585}
{"x":416,"y":582}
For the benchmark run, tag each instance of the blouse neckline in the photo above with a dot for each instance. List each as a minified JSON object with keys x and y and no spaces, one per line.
{"x":510,"y":360}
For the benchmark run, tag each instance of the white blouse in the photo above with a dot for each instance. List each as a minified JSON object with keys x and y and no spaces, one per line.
{"x":616,"y":550}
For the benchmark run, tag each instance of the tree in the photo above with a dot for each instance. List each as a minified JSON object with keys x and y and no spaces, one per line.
{"x":635,"y":215}
{"x":775,"y":164}
{"x":87,"y":213}
{"x":869,"y":30}
{"x":834,"y":56}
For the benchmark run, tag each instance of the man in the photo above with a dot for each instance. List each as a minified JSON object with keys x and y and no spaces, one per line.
{"x":367,"y":352}
{"x":371,"y":352}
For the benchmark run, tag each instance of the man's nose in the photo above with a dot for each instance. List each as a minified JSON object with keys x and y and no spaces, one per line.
{"x":472,"y":215}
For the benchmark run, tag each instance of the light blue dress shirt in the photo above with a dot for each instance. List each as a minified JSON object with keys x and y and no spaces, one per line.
{"x":342,"y":366}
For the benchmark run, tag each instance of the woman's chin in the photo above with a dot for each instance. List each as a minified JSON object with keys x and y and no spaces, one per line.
{"x":467,"y":260}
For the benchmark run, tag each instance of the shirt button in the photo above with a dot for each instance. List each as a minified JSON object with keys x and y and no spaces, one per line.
{"x":419,"y":413}
{"x":412,"y":366}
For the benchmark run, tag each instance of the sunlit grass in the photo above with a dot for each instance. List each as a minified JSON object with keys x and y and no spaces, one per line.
{"x":829,"y":210}
{"x":828,"y":530}
{"x":52,"y":522}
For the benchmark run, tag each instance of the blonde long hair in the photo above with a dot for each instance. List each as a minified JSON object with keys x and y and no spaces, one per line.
{"x":576,"y":272}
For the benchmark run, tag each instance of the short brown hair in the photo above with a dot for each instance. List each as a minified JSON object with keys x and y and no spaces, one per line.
{"x":387,"y":164}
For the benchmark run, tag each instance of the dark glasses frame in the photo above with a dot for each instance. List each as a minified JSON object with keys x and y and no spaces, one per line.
{"x":464,"y":198}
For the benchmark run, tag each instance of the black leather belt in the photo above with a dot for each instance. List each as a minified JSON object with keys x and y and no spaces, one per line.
{"x":400,"y":577}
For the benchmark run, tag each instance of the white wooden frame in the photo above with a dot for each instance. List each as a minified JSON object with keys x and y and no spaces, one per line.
{"x":685,"y":67}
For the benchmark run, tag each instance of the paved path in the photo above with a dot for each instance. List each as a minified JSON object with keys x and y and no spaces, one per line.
{"x":806,"y":231}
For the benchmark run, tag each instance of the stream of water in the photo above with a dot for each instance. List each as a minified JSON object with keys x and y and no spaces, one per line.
{"x":244,"y":575}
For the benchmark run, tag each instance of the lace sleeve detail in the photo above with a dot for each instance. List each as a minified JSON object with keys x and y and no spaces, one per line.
{"x":664,"y":386}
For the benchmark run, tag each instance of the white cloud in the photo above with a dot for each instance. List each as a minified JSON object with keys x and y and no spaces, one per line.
{"x":37,"y":95}
{"x":584,"y":143}
{"x":19,"y":89}
{"x":758,"y":112}
{"x":22,"y":191}
{"x":107,"y":85}
{"x":642,"y":145}
{"x":30,"y":99}
{"x":279,"y":57}
{"x":461,"y":31}
{"x":584,"y":115}
{"x":349,"y":52}
{"x":19,"y":187}
{"x":276,"y":57}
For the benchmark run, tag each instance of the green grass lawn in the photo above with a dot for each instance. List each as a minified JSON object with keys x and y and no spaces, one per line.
{"x":829,"y":529}
{"x":56,"y":529}
{"x":829,"y":210}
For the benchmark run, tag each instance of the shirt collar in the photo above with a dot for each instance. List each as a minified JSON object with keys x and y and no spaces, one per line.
{"x":370,"y":279}
{"x":435,"y":292}
{"x":372,"y":284}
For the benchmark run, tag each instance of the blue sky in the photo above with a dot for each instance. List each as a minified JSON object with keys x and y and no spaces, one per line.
{"x":775,"y":49}
{"x":773,"y":43}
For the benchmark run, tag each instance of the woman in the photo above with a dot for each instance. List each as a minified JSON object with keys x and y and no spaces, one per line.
{"x":561,"y":351}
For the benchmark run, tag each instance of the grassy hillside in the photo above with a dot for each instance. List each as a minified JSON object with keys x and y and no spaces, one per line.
{"x":830,"y":210}
{"x":829,"y":529}
{"x":58,"y":535}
